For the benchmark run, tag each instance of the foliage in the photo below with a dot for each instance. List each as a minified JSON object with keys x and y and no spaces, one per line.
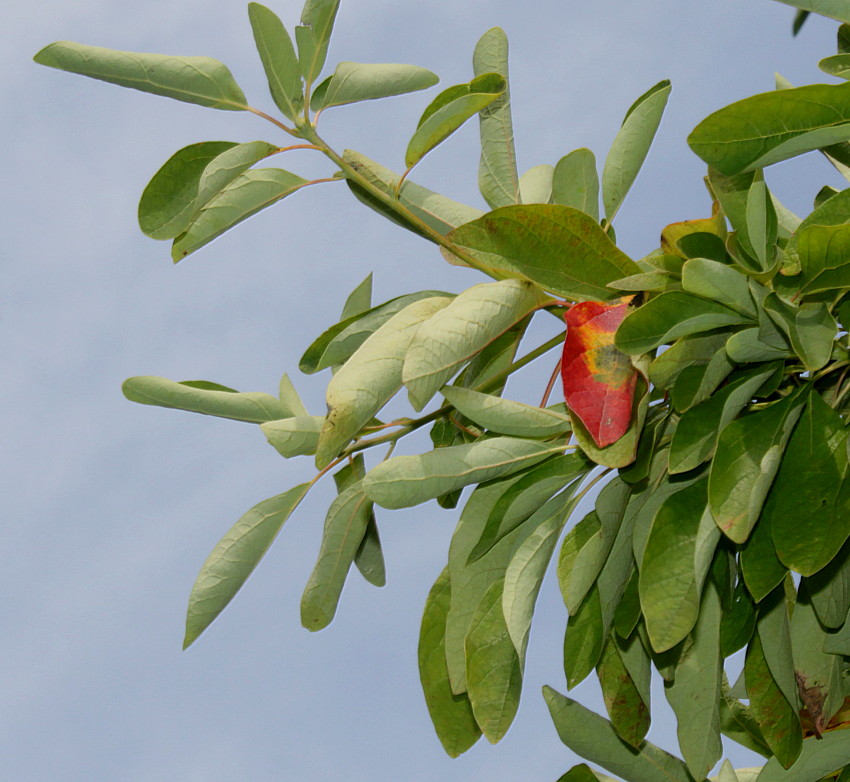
{"x":706,"y":391}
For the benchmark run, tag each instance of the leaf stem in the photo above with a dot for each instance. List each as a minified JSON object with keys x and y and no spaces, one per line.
{"x":277,"y":123}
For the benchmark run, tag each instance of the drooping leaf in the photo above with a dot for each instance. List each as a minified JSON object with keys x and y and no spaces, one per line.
{"x":469,"y":323}
{"x":451,"y":714}
{"x":627,"y":709}
{"x":669,"y":316}
{"x":252,"y":407}
{"x":405,"y":481}
{"x":584,"y":639}
{"x":631,"y":146}
{"x":829,"y":590}
{"x":297,"y":436}
{"x":806,"y":507}
{"x":773,"y":126}
{"x":748,"y":454}
{"x":593,"y":738}
{"x":776,"y":717}
{"x":760,"y":567}
{"x":531,"y":491}
{"x":451,"y":109}
{"x":234,"y":558}
{"x":524,"y":575}
{"x":586,"y":547}
{"x":818,"y":758}
{"x":493,"y":670}
{"x":168,"y":202}
{"x":336,"y":345}
{"x":599,"y":380}
{"x":497,"y":172}
{"x":472,"y":579}
{"x":696,"y":435}
{"x":353,"y":82}
{"x":575,"y":182}
{"x":279,"y":59}
{"x":560,"y":248}
{"x":669,"y":593}
{"x":345,"y":525}
{"x":818,"y":673}
{"x":506,"y":416}
{"x":314,"y":34}
{"x":246,"y":195}
{"x":695,"y":691}
{"x":371,"y":377}
{"x":738,"y":623}
{"x":199,"y":80}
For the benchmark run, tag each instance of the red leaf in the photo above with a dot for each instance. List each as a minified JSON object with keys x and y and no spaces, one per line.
{"x":599,"y":380}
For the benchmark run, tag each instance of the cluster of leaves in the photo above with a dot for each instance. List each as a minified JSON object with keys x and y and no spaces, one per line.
{"x":706,"y":388}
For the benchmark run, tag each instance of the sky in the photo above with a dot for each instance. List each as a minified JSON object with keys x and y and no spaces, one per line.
{"x":109,"y":508}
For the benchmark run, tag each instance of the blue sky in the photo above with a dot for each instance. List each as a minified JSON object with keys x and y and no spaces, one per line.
{"x":110,"y":508}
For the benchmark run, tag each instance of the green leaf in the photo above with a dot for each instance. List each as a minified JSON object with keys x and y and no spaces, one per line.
{"x":593,"y":738}
{"x":359,"y":301}
{"x":435,"y":210}
{"x":371,"y":377}
{"x":246,"y":195}
{"x":810,"y":329}
{"x":824,"y":251}
{"x":773,"y":126}
{"x":671,"y":315}
{"x":451,"y":714}
{"x":560,"y":248}
{"x":471,"y":580}
{"x":774,"y":632}
{"x":760,"y":567}
{"x":525,"y":573}
{"x":748,"y":454}
{"x":336,"y":345}
{"x":353,"y":82}
{"x":575,"y":182}
{"x":234,"y":558}
{"x":345,"y":525}
{"x":631,"y":146}
{"x":297,"y":436}
{"x":405,"y":481}
{"x":829,"y":590}
{"x":279,"y":59}
{"x":497,"y":171}
{"x":806,"y":508}
{"x":535,"y":185}
{"x":799,"y":21}
{"x":314,"y":34}
{"x":469,"y":323}
{"x":505,"y":416}
{"x":776,"y":717}
{"x":695,"y":691}
{"x":696,"y":435}
{"x":835,"y":9}
{"x":451,"y":109}
{"x":493,"y":670}
{"x":739,"y":621}
{"x":251,"y":407}
{"x":531,"y":491}
{"x":818,"y":673}
{"x":199,"y":80}
{"x":762,"y":225}
{"x":695,"y":351}
{"x":581,"y":773}
{"x":818,"y":758}
{"x":838,"y":65}
{"x":169,"y":200}
{"x":718,"y":282}
{"x":587,"y":545}
{"x":669,"y":593}
{"x":584,"y":639}
{"x":834,"y":211}
{"x":626,"y":707}
{"x":746,"y":347}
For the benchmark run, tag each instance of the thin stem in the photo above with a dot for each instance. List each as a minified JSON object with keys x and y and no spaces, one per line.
{"x":550,"y":385}
{"x":298,"y":146}
{"x":278,"y":123}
